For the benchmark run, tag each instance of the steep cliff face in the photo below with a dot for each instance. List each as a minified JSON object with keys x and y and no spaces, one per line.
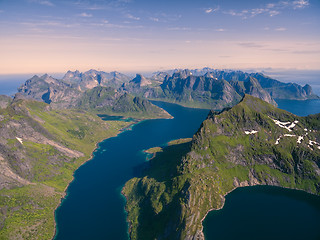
{"x":217,"y":93}
{"x":107,"y":100}
{"x":50,"y":90}
{"x":252,"y":143}
{"x":280,"y":90}
{"x":265,"y":87}
{"x":94,"y":78}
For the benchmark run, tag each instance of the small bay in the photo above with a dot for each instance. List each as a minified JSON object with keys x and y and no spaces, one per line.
{"x":265,"y":212}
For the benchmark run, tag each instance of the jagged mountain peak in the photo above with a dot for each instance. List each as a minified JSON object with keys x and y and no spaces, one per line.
{"x":140,"y":80}
{"x":182,"y":73}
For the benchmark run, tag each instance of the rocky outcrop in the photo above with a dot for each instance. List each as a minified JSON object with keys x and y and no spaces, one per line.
{"x":280,"y":90}
{"x":85,"y":91}
{"x":94,"y":78}
{"x":217,"y":93}
{"x":4,"y":101}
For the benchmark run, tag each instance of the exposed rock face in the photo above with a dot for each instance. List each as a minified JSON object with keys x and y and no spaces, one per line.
{"x":25,"y":130}
{"x":252,"y":143}
{"x":61,"y":94}
{"x":93,"y":78}
{"x":4,"y":101}
{"x":140,"y":81}
{"x":185,"y":87}
{"x":205,"y":88}
{"x":255,"y":84}
{"x":50,"y":90}
{"x":280,"y":90}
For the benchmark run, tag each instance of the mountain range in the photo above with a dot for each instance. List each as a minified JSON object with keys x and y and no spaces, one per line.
{"x":91,"y":91}
{"x":203,"y":88}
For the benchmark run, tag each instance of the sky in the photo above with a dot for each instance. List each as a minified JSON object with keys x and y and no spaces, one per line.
{"x":149,"y":35}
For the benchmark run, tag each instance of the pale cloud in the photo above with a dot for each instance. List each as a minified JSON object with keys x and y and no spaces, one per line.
{"x":211,"y":10}
{"x":220,"y":30}
{"x":273,"y":13}
{"x":154,"y":19}
{"x":179,"y":29}
{"x":300,"y":4}
{"x":271,"y":9}
{"x":132,"y":17}
{"x":280,"y":29}
{"x":87,"y":15}
{"x":43,"y":2}
{"x":46,"y":24}
{"x":251,"y":45}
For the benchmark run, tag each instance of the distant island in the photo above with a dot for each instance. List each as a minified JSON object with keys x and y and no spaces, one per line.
{"x":252,"y":143}
{"x":52,"y":126}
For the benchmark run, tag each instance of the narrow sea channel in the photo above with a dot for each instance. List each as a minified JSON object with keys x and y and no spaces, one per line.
{"x":94,"y":207}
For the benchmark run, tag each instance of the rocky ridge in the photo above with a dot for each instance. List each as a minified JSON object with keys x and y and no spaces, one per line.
{"x":86,"y":91}
{"x":203,"y":88}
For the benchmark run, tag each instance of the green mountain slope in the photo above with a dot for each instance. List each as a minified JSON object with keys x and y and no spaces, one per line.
{"x":253,"y":143}
{"x":40,"y":148}
{"x":110,"y":101}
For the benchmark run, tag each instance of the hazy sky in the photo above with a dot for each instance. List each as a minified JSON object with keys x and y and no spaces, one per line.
{"x":145,"y":35}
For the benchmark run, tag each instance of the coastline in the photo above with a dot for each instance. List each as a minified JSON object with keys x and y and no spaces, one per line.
{"x":124,"y":129}
{"x":65,"y":193}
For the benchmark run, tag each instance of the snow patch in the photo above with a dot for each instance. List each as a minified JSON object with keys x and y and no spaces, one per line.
{"x":289,"y":135}
{"x":20,"y":140}
{"x":300,"y":138}
{"x":283,"y":124}
{"x":252,"y":132}
{"x":312,"y":143}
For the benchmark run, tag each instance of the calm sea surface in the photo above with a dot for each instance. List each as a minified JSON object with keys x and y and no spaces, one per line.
{"x":264,"y":213}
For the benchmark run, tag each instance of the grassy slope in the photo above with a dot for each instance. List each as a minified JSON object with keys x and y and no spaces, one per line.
{"x":28,"y":212}
{"x":221,"y":157}
{"x":109,"y":101}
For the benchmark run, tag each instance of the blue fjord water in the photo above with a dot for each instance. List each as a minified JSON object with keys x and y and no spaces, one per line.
{"x":94,"y":207}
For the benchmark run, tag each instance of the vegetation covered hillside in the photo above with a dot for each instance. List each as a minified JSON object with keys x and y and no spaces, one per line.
{"x":40,"y":148}
{"x":253,"y":143}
